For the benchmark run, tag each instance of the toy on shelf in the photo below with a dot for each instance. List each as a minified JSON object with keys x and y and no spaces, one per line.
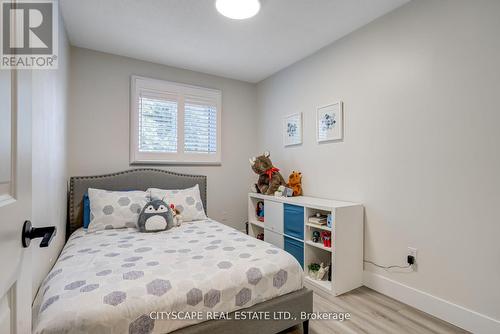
{"x":259,"y":211}
{"x":295,"y":183}
{"x":318,"y":271}
{"x":260,"y":236}
{"x":329,"y":220}
{"x":316,"y":237}
{"x":327,"y":238}
{"x":283,"y":192}
{"x":322,"y":271}
{"x":269,"y":176}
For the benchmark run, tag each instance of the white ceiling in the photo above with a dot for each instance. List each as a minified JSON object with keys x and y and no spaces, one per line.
{"x":191,"y":34}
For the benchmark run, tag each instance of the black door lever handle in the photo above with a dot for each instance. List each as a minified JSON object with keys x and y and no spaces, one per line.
{"x":47,"y":233}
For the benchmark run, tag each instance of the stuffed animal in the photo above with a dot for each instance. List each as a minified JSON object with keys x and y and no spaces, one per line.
{"x":177,"y":215}
{"x":295,"y":182}
{"x":269,"y":176}
{"x":155,"y":216}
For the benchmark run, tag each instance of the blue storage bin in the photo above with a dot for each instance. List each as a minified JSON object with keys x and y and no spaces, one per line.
{"x":294,"y":221}
{"x":296,"y":248}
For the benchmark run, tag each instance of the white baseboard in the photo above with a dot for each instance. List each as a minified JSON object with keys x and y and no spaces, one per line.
{"x":440,"y":308}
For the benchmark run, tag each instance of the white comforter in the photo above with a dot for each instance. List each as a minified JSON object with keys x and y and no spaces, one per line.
{"x":110,"y":281}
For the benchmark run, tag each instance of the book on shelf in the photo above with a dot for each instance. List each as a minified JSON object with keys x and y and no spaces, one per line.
{"x":317,"y":225}
{"x":320,"y":221}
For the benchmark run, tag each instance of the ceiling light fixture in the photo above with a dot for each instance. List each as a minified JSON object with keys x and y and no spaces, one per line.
{"x":238,"y":9}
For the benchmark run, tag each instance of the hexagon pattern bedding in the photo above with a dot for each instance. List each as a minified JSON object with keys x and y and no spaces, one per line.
{"x":110,"y":281}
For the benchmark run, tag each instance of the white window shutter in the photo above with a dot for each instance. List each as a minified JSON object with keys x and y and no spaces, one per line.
{"x":157,"y":124}
{"x":174,"y":123}
{"x":200,"y":127}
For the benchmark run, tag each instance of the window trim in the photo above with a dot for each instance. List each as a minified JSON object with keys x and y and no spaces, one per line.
{"x":179,"y":91}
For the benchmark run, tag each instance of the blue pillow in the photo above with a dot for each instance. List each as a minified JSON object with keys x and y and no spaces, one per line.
{"x":86,"y":210}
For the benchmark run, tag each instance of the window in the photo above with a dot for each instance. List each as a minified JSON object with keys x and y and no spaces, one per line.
{"x":173,"y":123}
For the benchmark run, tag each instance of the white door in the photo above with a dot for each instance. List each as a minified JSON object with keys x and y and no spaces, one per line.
{"x":15,"y":200}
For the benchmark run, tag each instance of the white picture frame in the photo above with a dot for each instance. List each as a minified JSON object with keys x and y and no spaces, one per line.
{"x":292,"y":129}
{"x":330,"y":122}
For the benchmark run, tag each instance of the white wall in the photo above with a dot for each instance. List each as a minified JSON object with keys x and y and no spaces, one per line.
{"x":420,"y":88}
{"x":50,"y":90}
{"x":99,"y":126}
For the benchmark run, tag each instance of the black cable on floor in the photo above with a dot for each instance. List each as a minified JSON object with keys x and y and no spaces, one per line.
{"x":388,"y":267}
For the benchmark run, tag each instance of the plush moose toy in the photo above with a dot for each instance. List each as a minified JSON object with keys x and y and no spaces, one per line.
{"x":269,"y":176}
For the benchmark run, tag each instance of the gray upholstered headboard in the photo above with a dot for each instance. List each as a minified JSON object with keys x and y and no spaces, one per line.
{"x":134,"y":179}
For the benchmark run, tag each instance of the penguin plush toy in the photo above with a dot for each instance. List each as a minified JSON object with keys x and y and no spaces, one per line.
{"x":155,"y":216}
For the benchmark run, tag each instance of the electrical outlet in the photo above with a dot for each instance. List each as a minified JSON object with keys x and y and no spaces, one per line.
{"x":413,"y":252}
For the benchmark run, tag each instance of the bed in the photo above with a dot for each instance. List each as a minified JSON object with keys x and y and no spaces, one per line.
{"x":202,"y":276}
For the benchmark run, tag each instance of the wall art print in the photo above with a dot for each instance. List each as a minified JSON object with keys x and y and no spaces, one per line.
{"x":330,"y":122}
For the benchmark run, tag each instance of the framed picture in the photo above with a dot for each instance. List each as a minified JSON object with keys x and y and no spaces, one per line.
{"x":292,"y":129}
{"x":330,"y":122}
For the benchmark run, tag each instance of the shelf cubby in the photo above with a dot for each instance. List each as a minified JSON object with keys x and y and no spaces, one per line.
{"x":255,"y":226}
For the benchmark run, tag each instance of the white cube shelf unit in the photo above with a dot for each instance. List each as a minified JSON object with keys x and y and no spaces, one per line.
{"x":286,"y":225}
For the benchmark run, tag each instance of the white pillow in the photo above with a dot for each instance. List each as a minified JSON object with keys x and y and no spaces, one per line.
{"x":187,"y":201}
{"x":115,"y":209}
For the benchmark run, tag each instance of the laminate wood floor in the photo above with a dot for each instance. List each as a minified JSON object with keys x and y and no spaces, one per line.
{"x":373,"y":313}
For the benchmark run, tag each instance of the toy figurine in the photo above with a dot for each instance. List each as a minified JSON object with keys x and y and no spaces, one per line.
{"x":259,"y":211}
{"x":322,"y":271}
{"x":326,"y":237}
{"x":283,"y":192}
{"x":329,"y":220}
{"x":315,"y":236}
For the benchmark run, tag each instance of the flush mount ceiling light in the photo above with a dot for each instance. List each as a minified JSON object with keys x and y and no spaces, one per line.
{"x":238,"y":9}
